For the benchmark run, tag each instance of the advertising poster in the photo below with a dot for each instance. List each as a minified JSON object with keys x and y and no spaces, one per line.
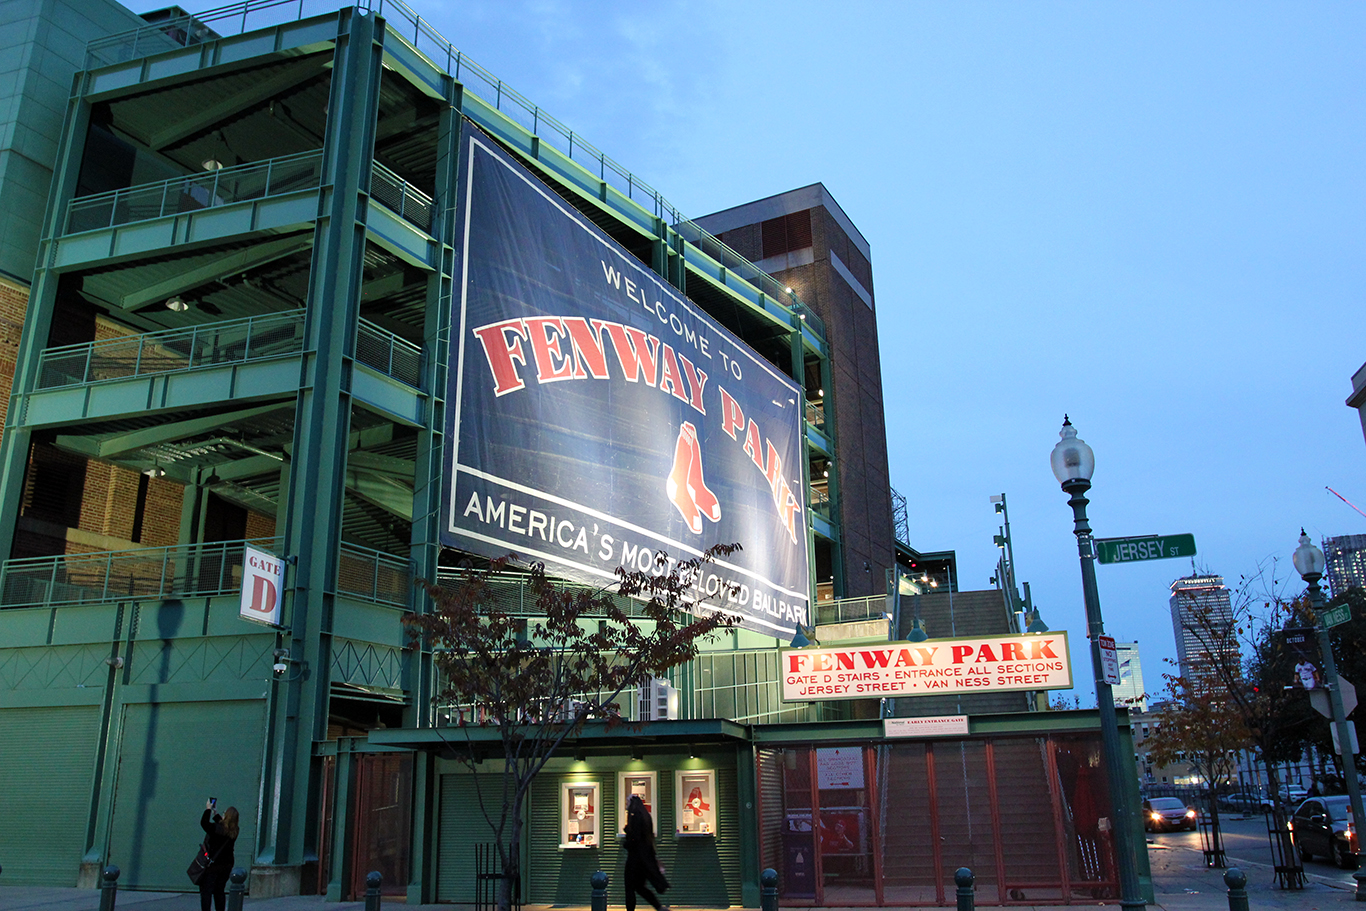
{"x":933,"y":667}
{"x":595,"y":416}
{"x":1302,"y":644}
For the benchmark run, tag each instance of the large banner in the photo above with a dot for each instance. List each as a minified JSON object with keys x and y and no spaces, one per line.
{"x":597,"y":416}
{"x":934,"y":667}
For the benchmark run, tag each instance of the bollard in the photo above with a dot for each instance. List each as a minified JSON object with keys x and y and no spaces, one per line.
{"x":109,"y":888}
{"x":372,"y":881}
{"x":599,"y":883}
{"x":1237,"y":889}
{"x":768,"y":890}
{"x":966,"y":898}
{"x":237,"y":884}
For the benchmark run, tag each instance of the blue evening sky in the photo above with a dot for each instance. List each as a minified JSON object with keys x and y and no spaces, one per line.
{"x":1149,"y":216}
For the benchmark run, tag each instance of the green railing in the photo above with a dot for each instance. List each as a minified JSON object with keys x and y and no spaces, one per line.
{"x":408,"y":201}
{"x":512,"y":595}
{"x":188,"y":571}
{"x":173,"y":350}
{"x":389,"y":354}
{"x":193,"y":192}
{"x":372,"y":575}
{"x":404,"y":21}
{"x":151,"y":573}
{"x":847,"y":610}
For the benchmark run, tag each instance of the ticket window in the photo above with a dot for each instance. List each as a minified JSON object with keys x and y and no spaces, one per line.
{"x":696,"y":810}
{"x":644,"y":785}
{"x":579,"y":814}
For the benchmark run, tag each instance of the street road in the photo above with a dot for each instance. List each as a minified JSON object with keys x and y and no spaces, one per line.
{"x":1246,"y":840}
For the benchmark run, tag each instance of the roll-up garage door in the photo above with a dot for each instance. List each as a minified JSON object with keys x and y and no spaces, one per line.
{"x":48,"y":757}
{"x":172,"y":757}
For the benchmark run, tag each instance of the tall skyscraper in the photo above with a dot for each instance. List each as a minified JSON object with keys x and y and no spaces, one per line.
{"x":1130,"y":693}
{"x":1201,"y":609}
{"x":1346,"y":562}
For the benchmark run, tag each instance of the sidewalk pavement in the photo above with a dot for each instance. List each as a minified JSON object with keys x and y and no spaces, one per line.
{"x":1181,"y":882}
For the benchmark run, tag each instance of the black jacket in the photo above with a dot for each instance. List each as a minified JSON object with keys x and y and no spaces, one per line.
{"x":217,"y":842}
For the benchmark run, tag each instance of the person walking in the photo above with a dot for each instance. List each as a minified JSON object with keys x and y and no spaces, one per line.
{"x":642,"y":864}
{"x":219,"y":834}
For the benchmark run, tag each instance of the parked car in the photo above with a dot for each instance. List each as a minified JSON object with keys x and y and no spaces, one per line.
{"x":1294,"y":795}
{"x":1324,"y":826}
{"x":1244,"y":802}
{"x":1161,"y":813}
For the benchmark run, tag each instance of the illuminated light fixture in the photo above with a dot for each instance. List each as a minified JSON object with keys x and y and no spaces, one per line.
{"x":801,"y":316}
{"x":211,"y":164}
{"x":177,"y":304}
{"x":827,"y":472}
{"x":156,"y":471}
{"x":788,"y":289}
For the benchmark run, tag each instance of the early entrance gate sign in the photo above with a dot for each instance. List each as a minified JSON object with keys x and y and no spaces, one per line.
{"x":933,"y":667}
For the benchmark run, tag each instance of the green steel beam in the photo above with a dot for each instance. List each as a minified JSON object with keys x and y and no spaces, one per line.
{"x":258,"y":91}
{"x":313,"y":516}
{"x":230,"y":264}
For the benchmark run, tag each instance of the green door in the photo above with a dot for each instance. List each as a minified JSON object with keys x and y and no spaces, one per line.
{"x":172,"y":757}
{"x":48,"y":755}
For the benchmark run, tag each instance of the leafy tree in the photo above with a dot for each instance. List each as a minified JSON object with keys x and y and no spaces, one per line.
{"x":1223,"y":689}
{"x":536,"y":682}
{"x":1201,"y":727}
{"x":1306,"y":726}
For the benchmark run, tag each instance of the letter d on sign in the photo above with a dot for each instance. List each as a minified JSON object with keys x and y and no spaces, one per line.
{"x":262,"y":587}
{"x":263,"y":593}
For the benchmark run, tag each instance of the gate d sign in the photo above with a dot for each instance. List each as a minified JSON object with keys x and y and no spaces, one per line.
{"x":263,"y":587}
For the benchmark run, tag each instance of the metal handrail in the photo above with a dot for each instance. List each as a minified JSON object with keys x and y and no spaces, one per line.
{"x":193,"y":570}
{"x":847,"y":610}
{"x":173,"y":350}
{"x":402,"y":197}
{"x":192,"y":192}
{"x":429,"y":42}
{"x":375,"y":576}
{"x":389,"y":354}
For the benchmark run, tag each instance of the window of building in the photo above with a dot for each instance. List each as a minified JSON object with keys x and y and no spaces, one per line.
{"x":786,"y":233}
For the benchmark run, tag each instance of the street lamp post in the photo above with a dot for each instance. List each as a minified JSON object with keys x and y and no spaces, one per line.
{"x":1309,"y":563}
{"x":1073,"y":463}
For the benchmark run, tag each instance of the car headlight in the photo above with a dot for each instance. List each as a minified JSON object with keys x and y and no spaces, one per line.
{"x":1157,"y":817}
{"x":1190,"y":814}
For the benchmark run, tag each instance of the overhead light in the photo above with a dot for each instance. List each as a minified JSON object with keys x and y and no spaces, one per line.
{"x":788,"y":289}
{"x":177,"y":304}
{"x":156,"y":471}
{"x":211,"y":164}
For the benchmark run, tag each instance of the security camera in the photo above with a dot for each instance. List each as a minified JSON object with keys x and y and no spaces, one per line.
{"x":279,"y":668}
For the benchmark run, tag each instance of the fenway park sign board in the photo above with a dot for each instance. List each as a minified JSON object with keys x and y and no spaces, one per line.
{"x":596,"y":416}
{"x":931,"y":668}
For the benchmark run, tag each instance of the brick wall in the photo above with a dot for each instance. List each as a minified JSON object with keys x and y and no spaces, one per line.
{"x":13,"y":307}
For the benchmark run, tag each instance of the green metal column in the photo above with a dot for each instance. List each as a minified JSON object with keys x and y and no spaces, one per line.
{"x":313,"y":515}
{"x":343,"y":825}
{"x":14,"y":447}
{"x":799,"y":372}
{"x":747,"y":789}
{"x":428,"y":507}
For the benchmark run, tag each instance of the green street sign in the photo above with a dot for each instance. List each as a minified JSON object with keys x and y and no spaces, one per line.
{"x":1150,"y":547}
{"x":1336,"y":616}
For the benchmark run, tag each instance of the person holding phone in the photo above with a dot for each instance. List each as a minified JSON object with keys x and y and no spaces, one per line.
{"x":220,"y":832}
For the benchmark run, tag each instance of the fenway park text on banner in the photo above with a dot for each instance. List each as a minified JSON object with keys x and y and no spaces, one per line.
{"x":598,"y":417}
{"x":933,"y":667}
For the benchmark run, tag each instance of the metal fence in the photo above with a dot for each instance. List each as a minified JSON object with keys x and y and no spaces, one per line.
{"x":389,"y":354}
{"x":195,"y":570}
{"x":375,"y":576}
{"x":209,"y":345}
{"x":258,"y":180}
{"x":397,"y":194}
{"x":846,"y":610}
{"x":404,"y":21}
